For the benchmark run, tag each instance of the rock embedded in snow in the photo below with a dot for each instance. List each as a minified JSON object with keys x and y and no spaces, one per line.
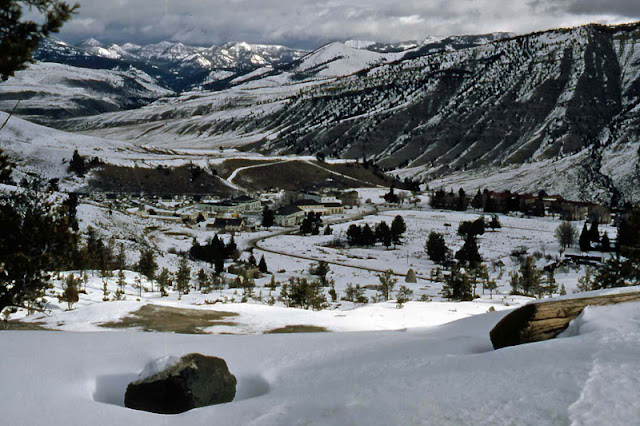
{"x":193,"y":381}
{"x":540,"y":321}
{"x":411,"y":277}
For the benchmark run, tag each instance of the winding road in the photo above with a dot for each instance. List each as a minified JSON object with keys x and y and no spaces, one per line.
{"x":255,"y":243}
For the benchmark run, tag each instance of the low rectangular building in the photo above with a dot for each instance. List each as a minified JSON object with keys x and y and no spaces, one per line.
{"x":289,"y":216}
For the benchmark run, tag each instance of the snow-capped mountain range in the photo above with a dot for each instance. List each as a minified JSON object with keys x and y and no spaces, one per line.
{"x":557,"y":110}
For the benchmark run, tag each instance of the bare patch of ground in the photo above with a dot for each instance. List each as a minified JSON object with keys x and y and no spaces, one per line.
{"x":159,"y":180}
{"x":294,"y":175}
{"x":172,"y":320}
{"x":298,"y":329}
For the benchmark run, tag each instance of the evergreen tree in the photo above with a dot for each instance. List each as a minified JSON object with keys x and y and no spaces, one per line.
{"x":354,"y":235}
{"x":70,"y":291}
{"x":6,"y":168}
{"x":328,"y":230}
{"x":122,"y":282}
{"x":387,"y":283}
{"x":478,"y":201}
{"x":272,"y":283}
{"x":306,"y":227}
{"x":164,"y":281}
{"x":219,"y":265}
{"x":437,"y":249}
{"x":471,"y":228}
{"x":514,"y":282}
{"x":548,"y":284}
{"x":367,"y":237}
{"x":21,"y":37}
{"x":252,"y":260}
{"x":147,"y":265}
{"x":77,"y":164}
{"x":462,"y":202}
{"x":469,"y":254}
{"x":183,"y":277}
{"x":263,"y":265}
{"x":438,"y":199}
{"x":354,"y":294}
{"x":383,"y":234}
{"x":605,"y":243}
{"x":321,"y":270}
{"x":612,"y":273}
{"x":456,"y":285}
{"x":268,"y":217}
{"x":594,"y":234}
{"x":298,"y":292}
{"x":230,"y":250}
{"x":35,"y":237}
{"x":529,"y":276}
{"x":585,"y":239}
{"x":495,"y":222}
{"x":202,"y":281}
{"x":215,"y":249}
{"x":586,"y":282}
{"x":489,"y":285}
{"x":398,"y":228}
{"x":391,"y":197}
{"x":405,"y":294}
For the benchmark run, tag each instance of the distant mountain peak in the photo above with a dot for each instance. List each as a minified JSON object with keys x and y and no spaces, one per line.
{"x":91,"y":42}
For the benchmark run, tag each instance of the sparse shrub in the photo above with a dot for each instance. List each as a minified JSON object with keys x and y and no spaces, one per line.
{"x":405,"y":294}
{"x":70,"y":291}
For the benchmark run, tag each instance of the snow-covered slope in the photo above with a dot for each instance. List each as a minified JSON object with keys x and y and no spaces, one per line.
{"x":338,"y":59}
{"x":49,"y":91}
{"x":447,"y":375}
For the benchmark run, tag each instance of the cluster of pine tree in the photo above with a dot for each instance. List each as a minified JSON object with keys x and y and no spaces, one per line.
{"x":301,"y":293}
{"x":79,"y":165}
{"x":37,"y":235}
{"x":311,"y":224}
{"x":623,"y":268}
{"x":590,"y":239}
{"x":364,"y":236}
{"x":464,"y":271}
{"x":532,"y":282}
{"x":215,"y":252}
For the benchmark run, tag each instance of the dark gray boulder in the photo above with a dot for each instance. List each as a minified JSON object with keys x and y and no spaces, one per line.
{"x":194,"y":381}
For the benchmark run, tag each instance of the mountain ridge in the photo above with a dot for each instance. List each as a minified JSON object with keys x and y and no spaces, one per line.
{"x":432,"y":112}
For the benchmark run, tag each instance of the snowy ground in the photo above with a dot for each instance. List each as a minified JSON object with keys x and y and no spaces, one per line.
{"x":445,"y":375}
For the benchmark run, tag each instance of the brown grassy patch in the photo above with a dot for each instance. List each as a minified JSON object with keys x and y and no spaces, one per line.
{"x":358,"y":171}
{"x":19,"y":325}
{"x":298,"y":329}
{"x":172,"y":320}
{"x":159,"y":181}
{"x":294,"y":175}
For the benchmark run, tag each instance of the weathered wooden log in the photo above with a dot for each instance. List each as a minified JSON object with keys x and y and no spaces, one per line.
{"x":546,"y":320}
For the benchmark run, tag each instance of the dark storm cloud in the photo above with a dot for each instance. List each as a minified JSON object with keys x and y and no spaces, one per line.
{"x":629,"y":8}
{"x":308,"y":23}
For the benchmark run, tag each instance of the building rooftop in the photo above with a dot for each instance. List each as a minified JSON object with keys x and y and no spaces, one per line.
{"x":308,"y":203}
{"x":287,"y":210}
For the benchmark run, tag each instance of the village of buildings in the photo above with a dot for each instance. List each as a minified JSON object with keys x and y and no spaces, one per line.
{"x":244,"y":212}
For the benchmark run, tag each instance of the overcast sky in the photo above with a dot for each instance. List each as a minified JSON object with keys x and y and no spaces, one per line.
{"x":311,"y":23}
